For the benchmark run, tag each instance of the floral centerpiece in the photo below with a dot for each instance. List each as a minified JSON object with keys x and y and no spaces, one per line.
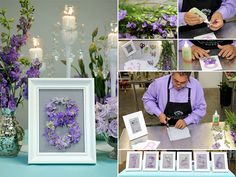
{"x":14,"y":76}
{"x":230,"y":123}
{"x":106,"y":122}
{"x":147,"y":22}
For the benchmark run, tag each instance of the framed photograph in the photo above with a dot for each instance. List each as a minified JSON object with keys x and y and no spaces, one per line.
{"x":61,"y":121}
{"x":184,"y":161}
{"x":134,"y":161}
{"x":135,"y":125}
{"x":219,"y":161}
{"x":150,"y":160}
{"x":128,"y":48}
{"x":167,"y":161}
{"x":201,"y":161}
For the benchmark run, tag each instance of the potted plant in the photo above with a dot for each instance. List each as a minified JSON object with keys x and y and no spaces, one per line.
{"x":225,"y":94}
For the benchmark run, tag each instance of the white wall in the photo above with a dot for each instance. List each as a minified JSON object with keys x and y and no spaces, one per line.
{"x":210,"y":79}
{"x":92,"y":13}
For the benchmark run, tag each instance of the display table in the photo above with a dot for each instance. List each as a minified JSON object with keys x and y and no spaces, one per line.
{"x":227,"y":31}
{"x":195,"y":65}
{"x":18,"y":166}
{"x":201,"y":138}
{"x":174,"y":173}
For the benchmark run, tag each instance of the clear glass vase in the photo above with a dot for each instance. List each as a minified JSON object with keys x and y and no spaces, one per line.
{"x":113,"y":143}
{"x":11,"y":134}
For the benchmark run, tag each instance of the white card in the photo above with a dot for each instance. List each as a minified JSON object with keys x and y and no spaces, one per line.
{"x":178,"y":134}
{"x":147,"y":145}
{"x":210,"y":64}
{"x":206,"y":36}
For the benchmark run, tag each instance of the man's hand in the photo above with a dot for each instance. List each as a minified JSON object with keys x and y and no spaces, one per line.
{"x":192,"y":19}
{"x":162,"y":118}
{"x":198,"y":52}
{"x":227,"y":51}
{"x":216,"y":21}
{"x":180,"y":124}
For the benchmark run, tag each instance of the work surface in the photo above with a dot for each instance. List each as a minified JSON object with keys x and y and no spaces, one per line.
{"x":201,"y":138}
{"x":195,"y":65}
{"x":174,"y":173}
{"x":18,"y":166}
{"x":227,"y":31}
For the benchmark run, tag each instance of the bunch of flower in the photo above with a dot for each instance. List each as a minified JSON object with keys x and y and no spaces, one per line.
{"x":141,"y":21}
{"x":230,"y":123}
{"x":106,"y":117}
{"x":13,"y":82}
{"x":57,"y":118}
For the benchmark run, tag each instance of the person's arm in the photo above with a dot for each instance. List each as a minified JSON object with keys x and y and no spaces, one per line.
{"x":182,"y":42}
{"x":198,"y":107}
{"x":181,"y":14}
{"x":149,"y":99}
{"x":227,"y":9}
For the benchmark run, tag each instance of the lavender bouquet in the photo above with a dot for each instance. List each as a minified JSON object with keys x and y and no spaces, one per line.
{"x":230,"y":123}
{"x":147,"y":22}
{"x":13,"y":73}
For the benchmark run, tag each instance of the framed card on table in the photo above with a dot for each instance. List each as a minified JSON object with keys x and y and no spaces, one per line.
{"x":150,"y":161}
{"x":61,"y":121}
{"x":134,"y":161}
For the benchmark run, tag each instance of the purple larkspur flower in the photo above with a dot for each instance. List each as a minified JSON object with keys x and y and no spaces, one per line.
{"x":145,"y":24}
{"x":10,"y":56}
{"x":216,"y":145}
{"x":128,"y":36}
{"x":12,"y":103}
{"x":120,"y":35}
{"x":112,"y":128}
{"x":155,"y":25}
{"x":131,"y":25}
{"x":165,"y":16}
{"x":32,"y":72}
{"x":18,"y":40}
{"x":72,"y":111}
{"x":15,"y":73}
{"x":24,"y":25}
{"x":122,"y":14}
{"x":173,"y":20}
{"x":101,"y":125}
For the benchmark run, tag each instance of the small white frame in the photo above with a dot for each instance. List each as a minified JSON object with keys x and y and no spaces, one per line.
{"x":171,"y":161}
{"x":188,"y":161}
{"x":86,"y":86}
{"x":135,"y":125}
{"x":129,"y":48}
{"x":205,"y":161}
{"x":214,"y":159}
{"x":155,"y":161}
{"x":138,"y":162}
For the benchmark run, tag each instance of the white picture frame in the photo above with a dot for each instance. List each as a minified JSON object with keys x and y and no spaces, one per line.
{"x":135,"y":125}
{"x":201,"y":161}
{"x":184,"y":161}
{"x":150,"y":160}
{"x":43,"y":90}
{"x":167,"y":161}
{"x":128,"y":48}
{"x":219,"y":162}
{"x":134,"y":161}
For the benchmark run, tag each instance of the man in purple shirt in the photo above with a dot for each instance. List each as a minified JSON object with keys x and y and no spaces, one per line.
{"x":215,"y":10}
{"x":177,"y":99}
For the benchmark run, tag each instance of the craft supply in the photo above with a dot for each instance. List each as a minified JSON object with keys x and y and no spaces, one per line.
{"x":178,"y":134}
{"x":215,"y":119}
{"x":187,"y":52}
{"x":200,"y":13}
{"x":211,"y":63}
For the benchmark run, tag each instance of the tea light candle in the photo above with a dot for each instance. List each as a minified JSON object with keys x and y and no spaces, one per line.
{"x":187,"y":52}
{"x":69,"y":20}
{"x":36,"y":51}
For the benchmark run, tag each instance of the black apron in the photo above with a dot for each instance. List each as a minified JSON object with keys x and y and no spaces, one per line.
{"x":177,"y":111}
{"x":210,"y":44}
{"x":208,"y":7}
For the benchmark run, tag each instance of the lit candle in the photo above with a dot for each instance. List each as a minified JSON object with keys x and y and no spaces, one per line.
{"x":36,"y":51}
{"x":187,"y":52}
{"x":69,"y":20}
{"x":112,"y":39}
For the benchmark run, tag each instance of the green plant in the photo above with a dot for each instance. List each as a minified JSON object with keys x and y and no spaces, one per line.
{"x":230,"y":120}
{"x":224,"y":86}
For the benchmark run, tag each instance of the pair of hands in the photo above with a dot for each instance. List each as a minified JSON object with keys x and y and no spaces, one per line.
{"x":179,"y":124}
{"x":226,"y":51}
{"x":216,"y":21}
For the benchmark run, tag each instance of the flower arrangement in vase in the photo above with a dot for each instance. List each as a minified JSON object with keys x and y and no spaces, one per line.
{"x":14,"y":77}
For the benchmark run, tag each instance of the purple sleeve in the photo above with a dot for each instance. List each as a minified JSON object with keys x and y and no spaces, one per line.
{"x":234,"y":43}
{"x":227,"y":8}
{"x":181,"y":14}
{"x":198,"y":105}
{"x":149,"y":99}
{"x":181,"y":43}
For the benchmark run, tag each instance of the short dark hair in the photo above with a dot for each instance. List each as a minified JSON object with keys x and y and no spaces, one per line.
{"x":183,"y":73}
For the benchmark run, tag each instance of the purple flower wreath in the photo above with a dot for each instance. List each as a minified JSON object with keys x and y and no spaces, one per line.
{"x":58,"y":118}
